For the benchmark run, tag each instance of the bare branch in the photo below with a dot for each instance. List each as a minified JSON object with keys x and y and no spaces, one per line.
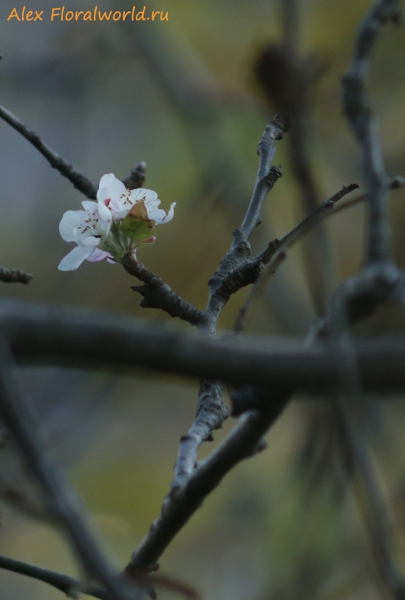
{"x":365,"y":126}
{"x":396,"y":184}
{"x":211,"y":413}
{"x":240,"y":248}
{"x":21,"y":425}
{"x":40,"y":333}
{"x":157,"y":294}
{"x":68,"y":585}
{"x":14,"y":276}
{"x":136,"y":178}
{"x":80,"y":181}
{"x":265,"y":176}
{"x":275,"y":253}
{"x":211,"y":410}
{"x":180,"y":505}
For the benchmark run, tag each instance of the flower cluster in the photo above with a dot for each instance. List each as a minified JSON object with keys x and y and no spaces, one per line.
{"x":113,"y":227}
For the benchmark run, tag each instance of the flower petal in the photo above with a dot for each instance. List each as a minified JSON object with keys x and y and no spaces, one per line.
{"x":161,"y":216}
{"x":74,"y":259}
{"x":90,"y":206}
{"x":106,"y":180}
{"x":110,"y":188}
{"x":70,"y":221}
{"x":104,"y":212}
{"x":86,"y":238}
{"x":97,"y":255}
{"x":118,"y":210}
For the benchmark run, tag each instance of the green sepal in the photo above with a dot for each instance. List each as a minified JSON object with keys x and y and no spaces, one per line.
{"x":135,"y":229}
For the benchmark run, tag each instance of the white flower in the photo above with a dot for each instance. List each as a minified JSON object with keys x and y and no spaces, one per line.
{"x":114,"y":226}
{"x":113,"y":194}
{"x":87,"y":228}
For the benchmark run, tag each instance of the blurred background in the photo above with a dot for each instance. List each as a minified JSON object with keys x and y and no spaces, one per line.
{"x":184,"y":95}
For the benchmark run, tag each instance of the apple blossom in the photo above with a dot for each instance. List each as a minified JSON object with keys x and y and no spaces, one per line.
{"x":113,"y":227}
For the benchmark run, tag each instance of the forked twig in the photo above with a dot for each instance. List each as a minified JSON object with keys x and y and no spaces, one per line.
{"x":275,"y":253}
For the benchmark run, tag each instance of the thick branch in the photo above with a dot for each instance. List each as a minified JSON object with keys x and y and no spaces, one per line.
{"x":80,"y":181}
{"x":365,"y":126}
{"x":90,"y":338}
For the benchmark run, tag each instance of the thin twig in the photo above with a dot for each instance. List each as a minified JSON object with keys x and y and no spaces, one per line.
{"x":286,"y":76}
{"x":21,"y":424}
{"x":80,"y":181}
{"x":374,"y":504}
{"x":363,"y":123}
{"x":396,"y":184}
{"x":275,"y":253}
{"x":14,"y":276}
{"x":265,"y":176}
{"x":68,"y":585}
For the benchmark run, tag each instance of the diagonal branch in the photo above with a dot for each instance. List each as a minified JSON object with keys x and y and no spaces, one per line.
{"x":157,"y":294}
{"x":267,"y":262}
{"x":80,"y":181}
{"x":374,"y":505}
{"x":243,"y":442}
{"x":259,"y":269}
{"x":17,"y":418}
